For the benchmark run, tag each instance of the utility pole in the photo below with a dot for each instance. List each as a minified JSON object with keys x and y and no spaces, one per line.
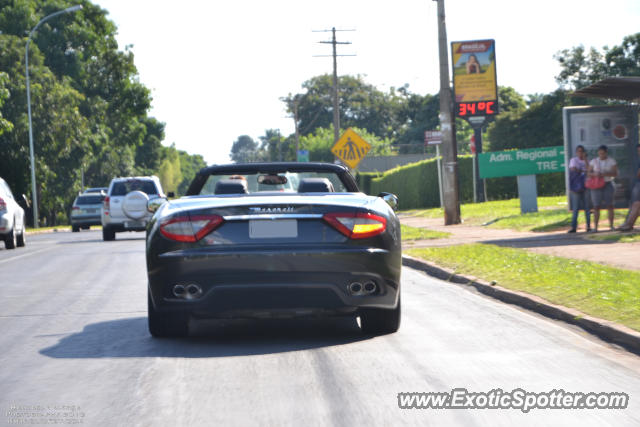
{"x":336,"y":103}
{"x":447,"y":126}
{"x":296,"y":102}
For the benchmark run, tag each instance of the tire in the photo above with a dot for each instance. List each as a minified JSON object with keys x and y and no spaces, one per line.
{"x":108,"y":234}
{"x":10,"y":239}
{"x":380,"y":321}
{"x":166,"y":324}
{"x":21,"y":239}
{"x":75,"y":228}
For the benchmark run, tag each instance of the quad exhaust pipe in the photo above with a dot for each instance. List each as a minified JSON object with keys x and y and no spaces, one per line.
{"x":366,"y":288}
{"x":190,"y":291}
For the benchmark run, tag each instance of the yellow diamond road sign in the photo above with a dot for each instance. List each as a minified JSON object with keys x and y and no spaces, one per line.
{"x":351,"y":148}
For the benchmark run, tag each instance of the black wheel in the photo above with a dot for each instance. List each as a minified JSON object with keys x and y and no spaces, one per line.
{"x":75,"y":228}
{"x":10,"y":239}
{"x":379,"y":321}
{"x":21,"y":238}
{"x":108,"y":234}
{"x":166,"y":324}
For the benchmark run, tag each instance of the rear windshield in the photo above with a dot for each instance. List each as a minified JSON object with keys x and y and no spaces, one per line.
{"x":89,"y":200}
{"x":292,"y":184}
{"x":122,"y":188}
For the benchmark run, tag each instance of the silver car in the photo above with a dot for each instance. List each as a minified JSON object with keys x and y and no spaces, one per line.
{"x":125,"y":206}
{"x":85,"y":211}
{"x":12,"y":226}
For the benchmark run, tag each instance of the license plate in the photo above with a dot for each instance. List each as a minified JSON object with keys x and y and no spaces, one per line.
{"x":270,"y":229}
{"x":134,"y":224}
{"x":91,"y":210}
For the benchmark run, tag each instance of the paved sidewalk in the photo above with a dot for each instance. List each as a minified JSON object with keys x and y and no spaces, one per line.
{"x":560,"y":243}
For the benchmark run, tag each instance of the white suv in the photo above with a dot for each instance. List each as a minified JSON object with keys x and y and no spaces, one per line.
{"x":125,"y":206}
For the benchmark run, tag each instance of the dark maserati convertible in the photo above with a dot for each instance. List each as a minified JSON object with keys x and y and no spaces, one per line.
{"x":272,"y":240}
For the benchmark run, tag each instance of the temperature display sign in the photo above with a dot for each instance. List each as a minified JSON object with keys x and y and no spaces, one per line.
{"x":478,"y":108}
{"x":475,"y":87}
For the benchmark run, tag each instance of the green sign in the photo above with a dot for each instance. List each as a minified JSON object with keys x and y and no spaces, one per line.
{"x":303,"y":155}
{"x":532,"y":161}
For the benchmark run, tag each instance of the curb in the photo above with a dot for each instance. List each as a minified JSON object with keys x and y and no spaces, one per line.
{"x":604,"y":329}
{"x":57,"y":230}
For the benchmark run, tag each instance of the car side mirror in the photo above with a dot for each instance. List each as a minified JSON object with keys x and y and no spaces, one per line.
{"x":154,"y":204}
{"x":23,"y":202}
{"x":171,"y":194}
{"x":391,"y":199}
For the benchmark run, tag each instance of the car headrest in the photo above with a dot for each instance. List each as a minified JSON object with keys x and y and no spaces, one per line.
{"x":231,"y":186}
{"x":315,"y":185}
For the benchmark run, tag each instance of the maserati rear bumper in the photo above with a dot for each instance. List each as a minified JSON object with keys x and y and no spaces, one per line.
{"x":274,"y":282}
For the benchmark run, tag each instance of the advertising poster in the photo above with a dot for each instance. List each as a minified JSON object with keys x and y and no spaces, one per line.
{"x":613,"y":126}
{"x":474,"y":77}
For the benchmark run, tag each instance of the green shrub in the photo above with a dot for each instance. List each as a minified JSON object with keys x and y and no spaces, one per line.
{"x":416,"y":184}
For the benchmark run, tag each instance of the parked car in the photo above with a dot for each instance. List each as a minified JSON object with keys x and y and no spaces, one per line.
{"x":12,"y":223}
{"x":233,"y":249}
{"x":125,"y":206}
{"x":97,"y":190}
{"x":85,"y":211}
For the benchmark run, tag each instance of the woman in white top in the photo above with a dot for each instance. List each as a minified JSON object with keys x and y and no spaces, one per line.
{"x":607,"y":168}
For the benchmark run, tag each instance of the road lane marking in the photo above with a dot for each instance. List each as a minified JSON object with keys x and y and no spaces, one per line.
{"x":27,"y":254}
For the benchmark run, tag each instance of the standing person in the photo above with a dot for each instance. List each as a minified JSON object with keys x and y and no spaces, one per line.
{"x":604,"y":167}
{"x":577,"y":191}
{"x":634,"y":208}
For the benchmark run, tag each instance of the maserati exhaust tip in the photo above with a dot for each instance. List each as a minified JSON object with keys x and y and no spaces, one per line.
{"x":355,"y":288}
{"x":179,"y":291}
{"x":194,"y":291}
{"x":369,"y":287}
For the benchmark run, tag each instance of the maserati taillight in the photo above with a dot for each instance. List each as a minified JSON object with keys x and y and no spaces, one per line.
{"x":358,"y":225}
{"x":189,"y":228}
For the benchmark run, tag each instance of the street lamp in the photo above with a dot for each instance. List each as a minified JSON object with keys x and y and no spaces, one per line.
{"x":31,"y":152}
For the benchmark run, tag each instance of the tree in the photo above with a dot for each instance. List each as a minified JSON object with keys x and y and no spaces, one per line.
{"x":580,"y":68}
{"x":90,"y":112}
{"x":362,"y":105}
{"x":5,"y":125}
{"x":538,"y":126}
{"x":245,"y":149}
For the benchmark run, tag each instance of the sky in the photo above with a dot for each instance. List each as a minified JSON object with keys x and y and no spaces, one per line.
{"x":217,"y":70}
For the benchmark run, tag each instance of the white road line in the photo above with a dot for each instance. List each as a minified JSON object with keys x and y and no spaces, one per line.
{"x":27,"y":254}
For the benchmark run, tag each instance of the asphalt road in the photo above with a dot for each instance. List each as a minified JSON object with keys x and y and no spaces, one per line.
{"x":73,"y":335}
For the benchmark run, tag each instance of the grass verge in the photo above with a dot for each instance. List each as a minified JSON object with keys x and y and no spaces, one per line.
{"x":617,"y":237}
{"x":602,"y":291}
{"x":416,"y":233}
{"x":552,"y":215}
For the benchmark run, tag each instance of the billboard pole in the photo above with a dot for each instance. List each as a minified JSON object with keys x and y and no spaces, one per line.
{"x":450,"y":197}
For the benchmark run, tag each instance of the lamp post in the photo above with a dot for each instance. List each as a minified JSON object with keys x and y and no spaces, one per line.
{"x":34,"y":197}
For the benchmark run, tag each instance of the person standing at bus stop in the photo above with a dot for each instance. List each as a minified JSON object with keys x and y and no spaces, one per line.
{"x":578,"y":194}
{"x":602,"y":171}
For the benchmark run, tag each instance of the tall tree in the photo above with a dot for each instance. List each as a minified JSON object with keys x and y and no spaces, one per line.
{"x":361,"y":105}
{"x":245,"y":149}
{"x":580,"y":68}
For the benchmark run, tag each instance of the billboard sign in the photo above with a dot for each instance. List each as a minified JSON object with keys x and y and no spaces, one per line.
{"x":613,"y":126}
{"x":531,"y":161}
{"x":475,"y":87}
